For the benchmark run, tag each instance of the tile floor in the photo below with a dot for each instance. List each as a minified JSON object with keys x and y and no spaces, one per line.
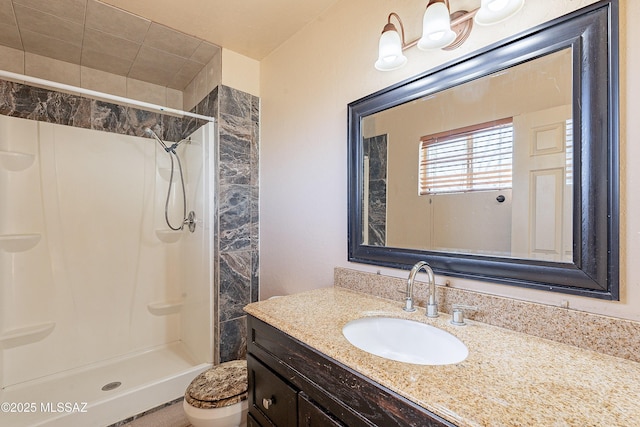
{"x":170,"y":416}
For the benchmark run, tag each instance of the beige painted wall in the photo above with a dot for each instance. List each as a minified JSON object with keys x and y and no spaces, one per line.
{"x":240,"y":72}
{"x":228,"y":68}
{"x":306,"y":85}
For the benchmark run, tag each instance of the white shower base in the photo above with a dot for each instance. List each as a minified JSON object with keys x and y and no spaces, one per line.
{"x":149,"y":379}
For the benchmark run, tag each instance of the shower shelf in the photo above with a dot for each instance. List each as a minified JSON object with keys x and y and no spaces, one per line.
{"x":18,"y":242}
{"x":164,"y":308}
{"x":168,"y":236}
{"x":26,"y":335}
{"x":15,"y":161}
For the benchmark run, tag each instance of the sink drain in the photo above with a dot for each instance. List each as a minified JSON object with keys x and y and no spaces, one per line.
{"x":111,"y":386}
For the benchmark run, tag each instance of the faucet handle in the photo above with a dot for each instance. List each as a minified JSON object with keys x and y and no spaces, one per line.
{"x":458,"y":313}
{"x":408,"y":301}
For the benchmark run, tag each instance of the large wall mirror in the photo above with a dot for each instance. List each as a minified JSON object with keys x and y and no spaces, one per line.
{"x":501,"y":166}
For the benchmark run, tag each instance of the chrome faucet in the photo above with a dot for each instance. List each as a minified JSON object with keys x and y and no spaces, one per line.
{"x":432,"y":305}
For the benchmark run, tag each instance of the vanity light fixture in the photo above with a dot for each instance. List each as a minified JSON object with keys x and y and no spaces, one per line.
{"x":441,"y":29}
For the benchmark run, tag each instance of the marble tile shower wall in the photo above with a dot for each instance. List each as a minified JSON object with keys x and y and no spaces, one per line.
{"x":34,"y":103}
{"x":236,"y":256}
{"x":375,"y":149}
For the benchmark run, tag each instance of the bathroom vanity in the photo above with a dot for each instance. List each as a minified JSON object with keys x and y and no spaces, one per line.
{"x":304,"y":372}
{"x":291,"y":384}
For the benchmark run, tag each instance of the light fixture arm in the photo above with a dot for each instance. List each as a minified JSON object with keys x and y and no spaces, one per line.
{"x":458,"y":29}
{"x":463,"y":18}
{"x":392,"y":27}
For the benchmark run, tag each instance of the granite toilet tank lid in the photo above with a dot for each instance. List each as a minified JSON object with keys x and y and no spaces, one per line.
{"x":222,"y":385}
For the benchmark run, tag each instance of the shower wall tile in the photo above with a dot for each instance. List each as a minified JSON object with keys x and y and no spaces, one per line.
{"x":10,"y":36}
{"x":235,"y":217}
{"x":147,"y":92}
{"x":51,"y":69}
{"x":255,"y":198}
{"x":195,"y":90}
{"x":11,"y":59}
{"x":235,"y":150}
{"x":140,"y":119}
{"x":102,"y":81}
{"x":109,"y":117}
{"x":255,"y":142}
{"x":255,"y":171}
{"x":255,"y":217}
{"x":255,"y":275}
{"x":66,"y":110}
{"x":207,"y":80}
{"x":234,"y":336}
{"x":208,"y":106}
{"x":30,"y":102}
{"x":18,"y":100}
{"x":235,"y":274}
{"x":175,"y":99}
{"x":238,"y":131}
{"x":174,"y":128}
{"x":235,"y":103}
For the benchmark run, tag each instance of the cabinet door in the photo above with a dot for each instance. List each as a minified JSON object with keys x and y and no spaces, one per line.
{"x":271,"y":400}
{"x":251,"y":422}
{"x":310,"y":415}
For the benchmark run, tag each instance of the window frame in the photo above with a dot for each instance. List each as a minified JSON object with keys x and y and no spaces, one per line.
{"x":466,"y":182}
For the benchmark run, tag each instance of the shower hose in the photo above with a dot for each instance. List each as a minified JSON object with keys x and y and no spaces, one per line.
{"x":171,"y":150}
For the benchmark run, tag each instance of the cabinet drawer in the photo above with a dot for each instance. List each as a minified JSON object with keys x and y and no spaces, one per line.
{"x":310,"y":415}
{"x":271,"y":400}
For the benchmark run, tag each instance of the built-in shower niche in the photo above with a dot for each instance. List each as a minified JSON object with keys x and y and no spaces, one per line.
{"x":94,"y":288}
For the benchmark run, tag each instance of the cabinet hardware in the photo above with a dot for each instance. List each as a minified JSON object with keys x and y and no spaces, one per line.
{"x":267,"y":403}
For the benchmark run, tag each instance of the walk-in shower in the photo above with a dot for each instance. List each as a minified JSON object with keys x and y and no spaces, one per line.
{"x":105,"y":294}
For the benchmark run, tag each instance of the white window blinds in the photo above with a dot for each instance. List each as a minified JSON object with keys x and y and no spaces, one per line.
{"x":473,"y":158}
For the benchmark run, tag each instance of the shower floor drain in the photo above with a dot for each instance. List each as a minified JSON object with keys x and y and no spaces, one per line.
{"x":111,"y":386}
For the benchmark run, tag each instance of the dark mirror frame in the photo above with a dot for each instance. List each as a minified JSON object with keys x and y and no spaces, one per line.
{"x":592,"y":34}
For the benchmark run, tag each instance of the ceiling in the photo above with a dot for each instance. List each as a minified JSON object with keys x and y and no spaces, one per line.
{"x":165,"y":42}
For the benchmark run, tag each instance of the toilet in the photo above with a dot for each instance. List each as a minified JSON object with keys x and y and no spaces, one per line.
{"x":218,"y":396}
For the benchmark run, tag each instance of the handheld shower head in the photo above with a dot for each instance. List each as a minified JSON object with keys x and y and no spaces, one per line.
{"x":155,"y":136}
{"x":168,"y":148}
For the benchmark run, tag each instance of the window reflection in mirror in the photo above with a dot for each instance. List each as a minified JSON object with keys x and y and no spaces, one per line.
{"x":528,"y":215}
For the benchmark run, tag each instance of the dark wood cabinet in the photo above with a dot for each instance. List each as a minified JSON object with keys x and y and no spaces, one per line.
{"x":292,"y":384}
{"x":271,"y":400}
{"x":311,"y":415}
{"x":251,"y":422}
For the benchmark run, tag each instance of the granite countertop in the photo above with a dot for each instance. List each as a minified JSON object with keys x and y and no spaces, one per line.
{"x":508,"y":379}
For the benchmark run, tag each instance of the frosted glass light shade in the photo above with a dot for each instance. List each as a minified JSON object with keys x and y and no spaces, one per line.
{"x":494,"y":11}
{"x":436,"y":28}
{"x":390,"y":56}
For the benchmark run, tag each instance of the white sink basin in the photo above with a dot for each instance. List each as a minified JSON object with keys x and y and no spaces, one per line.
{"x":405,"y":341}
